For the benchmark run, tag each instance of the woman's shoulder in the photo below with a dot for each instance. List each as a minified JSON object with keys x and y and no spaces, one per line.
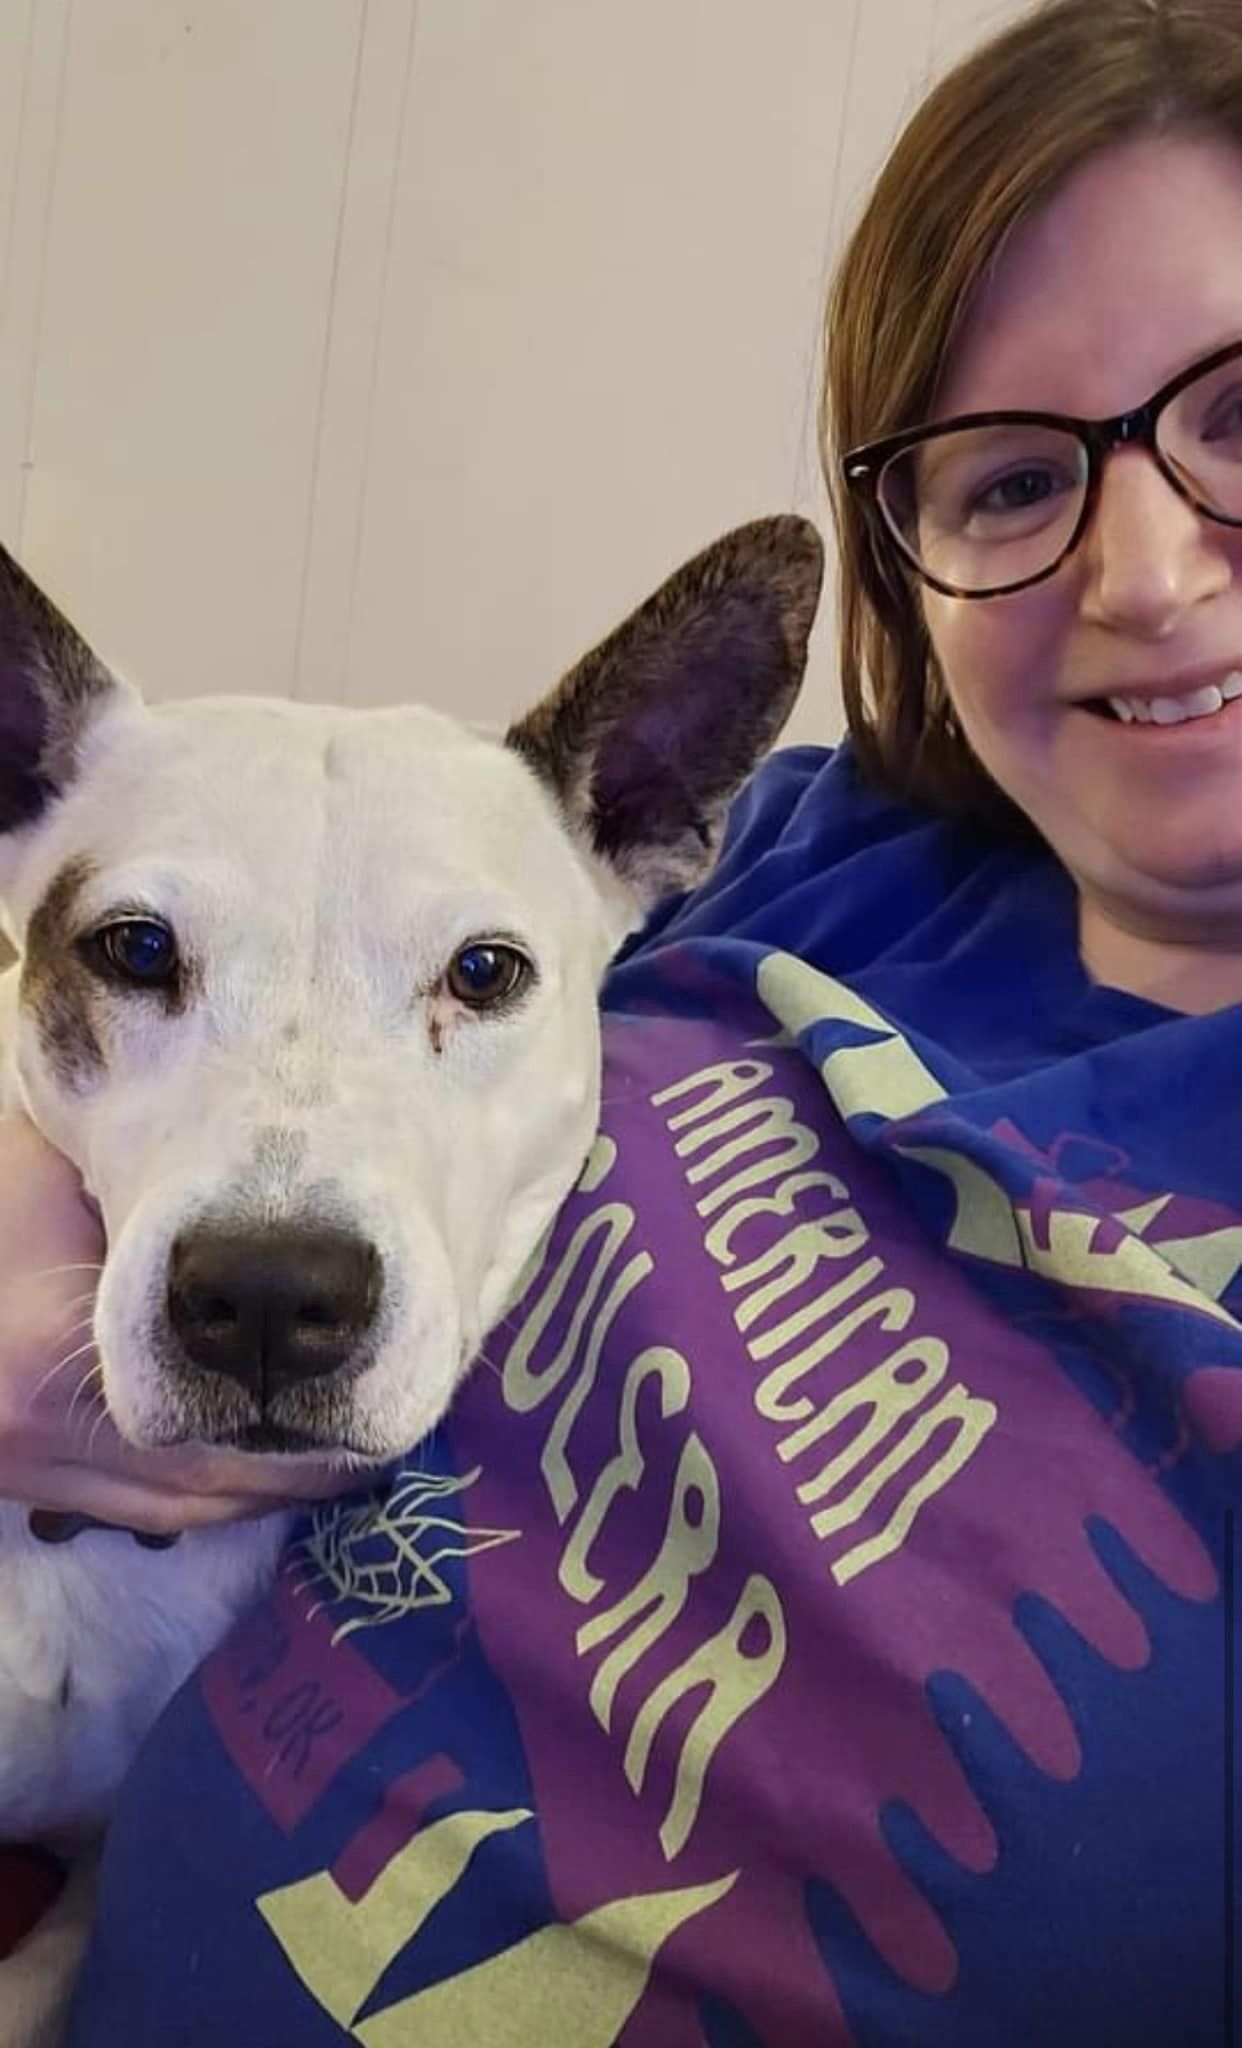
{"x":814,"y":853}
{"x":816,"y":790}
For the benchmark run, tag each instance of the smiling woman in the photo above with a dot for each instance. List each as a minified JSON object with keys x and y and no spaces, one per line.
{"x":1143,"y":617}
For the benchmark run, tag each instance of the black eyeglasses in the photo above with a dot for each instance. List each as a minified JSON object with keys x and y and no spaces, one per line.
{"x":993,"y":501}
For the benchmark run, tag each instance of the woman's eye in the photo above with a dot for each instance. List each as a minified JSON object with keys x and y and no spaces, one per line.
{"x":487,"y":973}
{"x":1224,"y":422}
{"x":140,"y":951}
{"x":1017,"y":492}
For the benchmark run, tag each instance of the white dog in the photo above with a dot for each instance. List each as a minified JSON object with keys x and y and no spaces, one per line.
{"x":309,"y":998}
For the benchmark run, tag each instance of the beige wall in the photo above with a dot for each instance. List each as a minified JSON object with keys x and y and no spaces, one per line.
{"x":363,"y":349}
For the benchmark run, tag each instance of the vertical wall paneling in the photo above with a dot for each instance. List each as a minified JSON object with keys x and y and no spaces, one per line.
{"x":188,"y":273}
{"x":346,"y":401}
{"x":17,"y":50}
{"x":369,"y":349}
{"x":600,"y":323}
{"x":32,"y":76}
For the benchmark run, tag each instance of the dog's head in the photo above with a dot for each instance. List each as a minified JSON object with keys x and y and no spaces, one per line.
{"x":309,"y":995}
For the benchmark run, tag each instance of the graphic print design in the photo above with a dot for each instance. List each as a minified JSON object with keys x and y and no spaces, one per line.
{"x":777,"y":1438}
{"x":384,"y":1559}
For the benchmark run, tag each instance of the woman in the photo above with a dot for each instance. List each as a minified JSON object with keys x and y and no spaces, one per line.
{"x":814,"y":1628}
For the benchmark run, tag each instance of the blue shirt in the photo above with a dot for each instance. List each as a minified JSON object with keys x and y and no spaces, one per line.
{"x":810,"y":1627}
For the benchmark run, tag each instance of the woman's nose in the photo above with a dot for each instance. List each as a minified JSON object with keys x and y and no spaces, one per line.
{"x":1150,"y":556}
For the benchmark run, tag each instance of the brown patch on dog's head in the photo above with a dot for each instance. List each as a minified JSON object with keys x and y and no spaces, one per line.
{"x":58,"y":990}
{"x":50,"y":686}
{"x":68,"y":993}
{"x":646,"y":741}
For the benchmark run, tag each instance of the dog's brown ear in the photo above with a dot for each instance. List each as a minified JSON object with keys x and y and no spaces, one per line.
{"x":51,"y":686}
{"x":649,"y":737}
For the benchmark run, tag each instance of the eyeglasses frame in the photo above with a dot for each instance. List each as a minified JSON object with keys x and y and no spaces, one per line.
{"x":863,"y":467}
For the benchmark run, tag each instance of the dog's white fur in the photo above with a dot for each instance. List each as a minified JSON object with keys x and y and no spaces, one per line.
{"x":319,"y":867}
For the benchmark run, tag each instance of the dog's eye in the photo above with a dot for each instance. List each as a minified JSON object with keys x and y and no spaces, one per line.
{"x":140,"y":951}
{"x":486,"y":973}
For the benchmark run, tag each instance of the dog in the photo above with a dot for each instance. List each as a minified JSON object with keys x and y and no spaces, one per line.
{"x":309,"y":998}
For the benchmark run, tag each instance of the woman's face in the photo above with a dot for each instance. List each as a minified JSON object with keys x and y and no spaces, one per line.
{"x":1129,"y":275}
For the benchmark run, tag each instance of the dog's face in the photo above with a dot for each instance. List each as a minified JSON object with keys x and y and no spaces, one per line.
{"x":309,"y":995}
{"x":312,"y":972}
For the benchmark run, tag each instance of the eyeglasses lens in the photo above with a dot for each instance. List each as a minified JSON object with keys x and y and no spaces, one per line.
{"x":987,"y":508}
{"x":983,"y":508}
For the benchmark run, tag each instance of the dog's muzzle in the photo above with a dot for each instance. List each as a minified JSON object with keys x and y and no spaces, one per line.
{"x":272,"y":1306}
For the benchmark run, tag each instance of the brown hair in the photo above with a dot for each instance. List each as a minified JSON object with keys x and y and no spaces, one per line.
{"x":989,"y":144}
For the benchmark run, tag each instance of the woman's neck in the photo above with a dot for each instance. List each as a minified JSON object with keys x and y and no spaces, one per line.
{"x":1194,"y":975}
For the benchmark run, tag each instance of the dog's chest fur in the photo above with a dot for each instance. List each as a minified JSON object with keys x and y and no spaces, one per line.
{"x":96,"y":1634}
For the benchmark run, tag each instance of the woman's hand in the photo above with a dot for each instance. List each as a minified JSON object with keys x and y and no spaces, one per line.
{"x":58,"y":1447}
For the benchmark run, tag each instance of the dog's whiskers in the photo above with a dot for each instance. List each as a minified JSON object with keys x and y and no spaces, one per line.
{"x":81,"y":1300}
{"x":99,"y":1421}
{"x":75,"y":1266}
{"x":92,"y":1386}
{"x":86,"y":1322}
{"x":42,"y":1386}
{"x":481,"y":1358}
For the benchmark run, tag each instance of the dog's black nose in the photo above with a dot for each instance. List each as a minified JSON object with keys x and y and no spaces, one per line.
{"x":272,"y":1306}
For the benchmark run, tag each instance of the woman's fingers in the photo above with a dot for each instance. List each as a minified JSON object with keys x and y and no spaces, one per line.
{"x":110,"y":1496}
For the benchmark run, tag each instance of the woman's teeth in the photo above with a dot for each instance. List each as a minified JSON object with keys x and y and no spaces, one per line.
{"x":1175,"y":710}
